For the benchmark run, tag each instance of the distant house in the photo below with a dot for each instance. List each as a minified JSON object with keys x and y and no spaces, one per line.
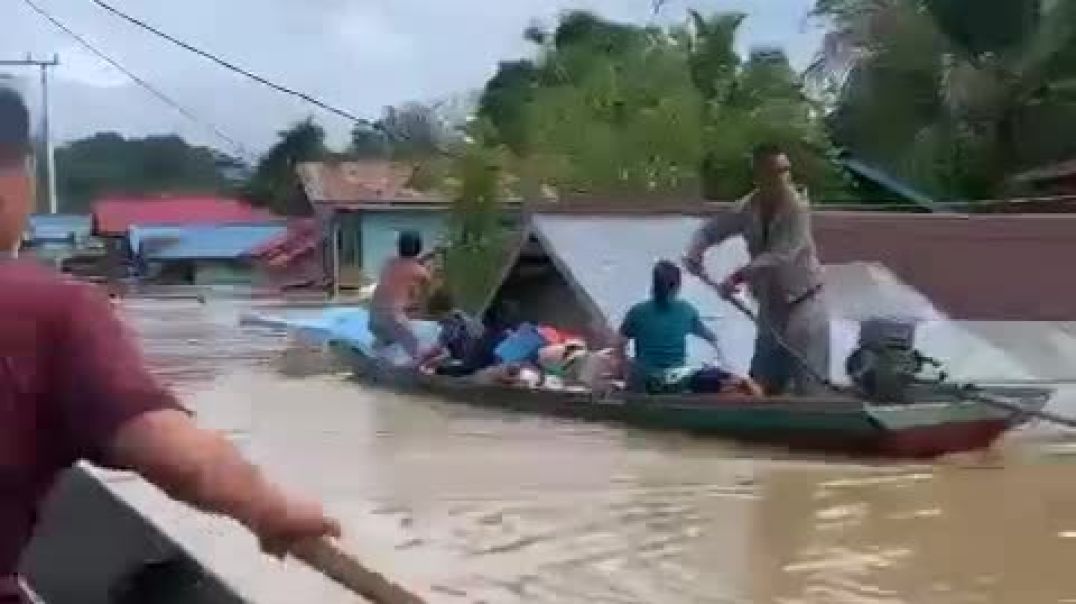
{"x":1056,"y":179}
{"x":364,"y":205}
{"x":201,"y":254}
{"x":113,"y":218}
{"x":62,"y":240}
{"x":295,"y":258}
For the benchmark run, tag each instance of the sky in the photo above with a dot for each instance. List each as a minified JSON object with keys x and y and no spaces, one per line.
{"x":360,"y":55}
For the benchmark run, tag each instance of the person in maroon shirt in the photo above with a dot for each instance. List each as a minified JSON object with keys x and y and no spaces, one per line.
{"x":73,"y":386}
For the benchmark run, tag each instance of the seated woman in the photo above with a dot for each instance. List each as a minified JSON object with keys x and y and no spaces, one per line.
{"x":659,"y":328}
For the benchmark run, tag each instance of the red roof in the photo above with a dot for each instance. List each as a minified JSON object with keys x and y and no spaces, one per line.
{"x":115,"y":216}
{"x":302,"y":236}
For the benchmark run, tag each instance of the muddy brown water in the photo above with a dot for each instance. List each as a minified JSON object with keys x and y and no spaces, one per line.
{"x":493,"y":507}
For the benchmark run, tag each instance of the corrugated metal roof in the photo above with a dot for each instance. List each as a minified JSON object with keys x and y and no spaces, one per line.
{"x":59,"y":227}
{"x":891,"y":183}
{"x":114,"y":216}
{"x":1061,"y":170}
{"x":361,"y":182}
{"x":202,"y":242}
{"x":609,"y":260}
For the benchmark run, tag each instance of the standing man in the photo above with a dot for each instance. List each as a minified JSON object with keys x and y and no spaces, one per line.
{"x":74,"y":387}
{"x":784,"y":275}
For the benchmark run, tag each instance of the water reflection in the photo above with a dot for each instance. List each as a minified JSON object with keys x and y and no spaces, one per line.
{"x":483,"y":506}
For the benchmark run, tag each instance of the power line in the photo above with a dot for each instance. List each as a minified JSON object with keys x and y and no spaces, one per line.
{"x":228,"y":65}
{"x":236,"y":145}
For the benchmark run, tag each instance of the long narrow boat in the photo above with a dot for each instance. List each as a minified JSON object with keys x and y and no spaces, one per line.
{"x":940,"y":423}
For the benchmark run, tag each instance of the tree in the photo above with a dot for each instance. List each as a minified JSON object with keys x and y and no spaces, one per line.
{"x":954,"y":95}
{"x":615,"y":109}
{"x":109,"y":164}
{"x":275,"y":182}
{"x":412,"y":132}
{"x":368,"y":142}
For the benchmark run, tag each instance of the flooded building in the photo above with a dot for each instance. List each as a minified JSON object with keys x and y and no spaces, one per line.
{"x":218,"y":254}
{"x":113,"y":218}
{"x":1054,"y":179}
{"x":364,"y":205}
{"x":295,"y":259}
{"x":64,"y":241}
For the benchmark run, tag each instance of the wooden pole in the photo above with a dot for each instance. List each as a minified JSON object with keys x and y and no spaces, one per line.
{"x":328,"y":558}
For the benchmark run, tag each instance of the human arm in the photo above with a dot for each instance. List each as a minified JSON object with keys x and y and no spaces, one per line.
{"x":624,"y":337}
{"x":714,"y":232}
{"x":111,"y":411}
{"x":700,"y":330}
{"x":205,"y":470}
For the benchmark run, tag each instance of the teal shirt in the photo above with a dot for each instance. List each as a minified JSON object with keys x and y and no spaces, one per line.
{"x":660,"y":334}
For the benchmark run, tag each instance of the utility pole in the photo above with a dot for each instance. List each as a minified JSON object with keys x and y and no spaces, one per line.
{"x":46,"y":133}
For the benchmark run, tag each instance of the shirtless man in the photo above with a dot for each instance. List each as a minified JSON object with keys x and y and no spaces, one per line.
{"x":402,"y":282}
{"x":74,"y":387}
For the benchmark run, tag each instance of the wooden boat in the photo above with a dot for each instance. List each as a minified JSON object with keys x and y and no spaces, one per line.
{"x":939,"y":424}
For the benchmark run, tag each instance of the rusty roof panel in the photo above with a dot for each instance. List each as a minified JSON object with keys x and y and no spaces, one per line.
{"x":360,"y":182}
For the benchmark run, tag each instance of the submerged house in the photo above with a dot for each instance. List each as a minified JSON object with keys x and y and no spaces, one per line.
{"x":364,"y":205}
{"x":582,"y":271}
{"x":296,"y":258}
{"x":1055,"y":179}
{"x":113,"y":218}
{"x":64,"y":241}
{"x":218,"y":254}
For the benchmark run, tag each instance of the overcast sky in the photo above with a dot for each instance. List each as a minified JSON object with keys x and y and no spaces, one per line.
{"x":358,"y":54}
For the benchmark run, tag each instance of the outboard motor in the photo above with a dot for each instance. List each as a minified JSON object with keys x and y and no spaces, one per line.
{"x":886,"y":364}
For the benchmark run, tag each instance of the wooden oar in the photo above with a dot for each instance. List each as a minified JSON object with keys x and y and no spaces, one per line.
{"x":328,"y":558}
{"x":967,"y":392}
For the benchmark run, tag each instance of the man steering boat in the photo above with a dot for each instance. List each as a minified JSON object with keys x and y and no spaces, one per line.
{"x":784,"y":274}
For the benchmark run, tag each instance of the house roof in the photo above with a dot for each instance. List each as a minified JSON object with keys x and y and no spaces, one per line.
{"x":300,"y":237}
{"x":1060,"y":170}
{"x":58,"y":227}
{"x":114,"y":216}
{"x":606,"y":260}
{"x":201,"y":242}
{"x":362,"y":183}
{"x":891,"y":183}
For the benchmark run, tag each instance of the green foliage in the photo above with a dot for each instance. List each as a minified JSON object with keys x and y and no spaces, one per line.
{"x":411,"y":132}
{"x":477,"y":244}
{"x":109,"y":164}
{"x":615,"y":109}
{"x":505,"y":99}
{"x":275,"y":182}
{"x":954,"y":95}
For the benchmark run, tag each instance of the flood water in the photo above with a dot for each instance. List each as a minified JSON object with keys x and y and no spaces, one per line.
{"x":492,"y":507}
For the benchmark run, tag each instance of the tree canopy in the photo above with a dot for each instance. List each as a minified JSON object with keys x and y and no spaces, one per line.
{"x":109,"y":164}
{"x":610,"y":108}
{"x":953,"y":95}
{"x":275,"y":182}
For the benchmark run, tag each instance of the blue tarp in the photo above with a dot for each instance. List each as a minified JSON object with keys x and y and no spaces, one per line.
{"x":345,"y":325}
{"x":203,"y":242}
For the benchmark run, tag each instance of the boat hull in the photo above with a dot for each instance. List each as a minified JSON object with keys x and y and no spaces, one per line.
{"x":836,"y":423}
